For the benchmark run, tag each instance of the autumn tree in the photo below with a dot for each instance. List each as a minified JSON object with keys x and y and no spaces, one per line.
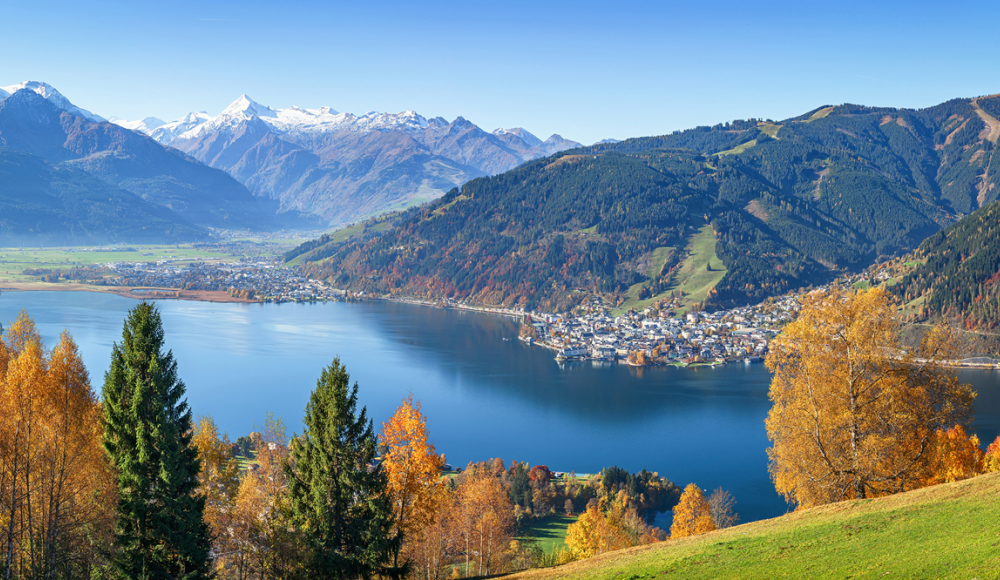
{"x":261,"y":537}
{"x":991,"y":460}
{"x":161,"y":532}
{"x":219,"y":481}
{"x":722,"y":506}
{"x":607,"y":524}
{"x":853,"y":415}
{"x":56,"y":493}
{"x":485,"y":522}
{"x":692,"y":515}
{"x":413,"y":469}
{"x":954,"y":456}
{"x":337,"y":492}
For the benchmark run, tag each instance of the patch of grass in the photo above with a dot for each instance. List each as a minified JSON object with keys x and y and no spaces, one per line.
{"x":700,"y":271}
{"x":738,"y":149}
{"x":861,"y":285}
{"x":549,"y":533}
{"x":769,"y":129}
{"x":943,"y":531}
{"x":819,"y":114}
{"x":441,"y":210}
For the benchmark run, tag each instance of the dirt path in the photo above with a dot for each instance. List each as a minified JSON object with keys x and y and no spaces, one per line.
{"x":991,"y":121}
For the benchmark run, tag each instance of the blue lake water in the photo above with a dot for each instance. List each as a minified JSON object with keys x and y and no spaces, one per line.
{"x":484,"y":396}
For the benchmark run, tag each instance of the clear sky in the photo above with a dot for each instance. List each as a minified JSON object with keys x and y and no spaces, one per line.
{"x":586,"y":70}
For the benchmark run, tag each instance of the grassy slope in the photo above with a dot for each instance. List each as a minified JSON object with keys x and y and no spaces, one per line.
{"x":944,"y":531}
{"x":693,"y":278}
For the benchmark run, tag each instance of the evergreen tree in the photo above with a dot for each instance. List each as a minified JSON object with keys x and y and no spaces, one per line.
{"x":160,"y":532}
{"x":337,"y":493}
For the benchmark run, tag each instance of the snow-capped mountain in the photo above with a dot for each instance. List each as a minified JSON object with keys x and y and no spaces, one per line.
{"x":341,"y":166}
{"x":49,"y":93}
{"x":146,"y":125}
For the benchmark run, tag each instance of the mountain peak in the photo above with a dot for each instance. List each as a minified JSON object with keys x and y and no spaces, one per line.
{"x":49,"y":93}
{"x":247,"y":107}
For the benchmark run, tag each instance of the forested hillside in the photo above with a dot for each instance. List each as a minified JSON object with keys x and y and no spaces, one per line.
{"x":956,"y":273}
{"x":789,"y":203}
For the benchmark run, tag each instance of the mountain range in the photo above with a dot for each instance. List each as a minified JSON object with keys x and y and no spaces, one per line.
{"x":37,"y":124}
{"x":786,"y":204}
{"x":303,"y":167}
{"x":340,"y":166}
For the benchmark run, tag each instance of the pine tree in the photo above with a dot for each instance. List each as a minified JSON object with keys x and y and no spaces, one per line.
{"x":338,"y":495}
{"x":160,"y":532}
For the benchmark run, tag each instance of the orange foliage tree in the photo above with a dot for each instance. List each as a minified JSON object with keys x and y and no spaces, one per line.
{"x":853,"y":415}
{"x":954,"y":456}
{"x":56,"y":488}
{"x":413,"y":468}
{"x":991,"y":460}
{"x":692,"y":515}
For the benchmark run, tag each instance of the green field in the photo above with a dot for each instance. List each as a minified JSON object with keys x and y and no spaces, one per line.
{"x":943,"y":531}
{"x":13,"y":261}
{"x":700,"y":271}
{"x":549,"y":533}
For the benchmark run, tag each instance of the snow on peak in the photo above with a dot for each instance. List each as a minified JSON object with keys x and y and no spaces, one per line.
{"x":169,"y":131}
{"x":145,"y":126}
{"x":245,"y":107}
{"x":49,"y":93}
{"x":522,"y":134}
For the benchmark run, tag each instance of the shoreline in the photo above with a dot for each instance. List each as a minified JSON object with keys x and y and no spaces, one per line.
{"x":217,"y":296}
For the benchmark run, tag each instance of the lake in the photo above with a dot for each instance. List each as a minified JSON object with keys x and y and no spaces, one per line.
{"x":485,"y":393}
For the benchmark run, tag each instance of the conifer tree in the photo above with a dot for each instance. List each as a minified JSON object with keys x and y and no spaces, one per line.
{"x":160,"y":532}
{"x":338,"y":495}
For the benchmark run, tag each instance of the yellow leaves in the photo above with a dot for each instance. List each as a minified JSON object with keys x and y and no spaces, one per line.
{"x":412,"y":465}
{"x":852,"y":412}
{"x":57,"y":484}
{"x":954,"y":456}
{"x":608,"y":525}
{"x":692,"y":515}
{"x":991,"y":461}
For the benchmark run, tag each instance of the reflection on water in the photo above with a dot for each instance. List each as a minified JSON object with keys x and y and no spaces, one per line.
{"x":484,"y":396}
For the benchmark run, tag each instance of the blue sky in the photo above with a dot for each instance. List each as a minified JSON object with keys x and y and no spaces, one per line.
{"x":586,"y":70}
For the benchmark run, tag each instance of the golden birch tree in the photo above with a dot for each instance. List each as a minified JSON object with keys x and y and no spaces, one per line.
{"x":56,"y":489}
{"x":485,"y":523}
{"x":413,"y":468}
{"x":692,"y":515}
{"x":853,"y":415}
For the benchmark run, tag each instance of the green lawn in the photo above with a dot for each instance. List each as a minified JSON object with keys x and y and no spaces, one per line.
{"x":943,"y":531}
{"x":549,"y":532}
